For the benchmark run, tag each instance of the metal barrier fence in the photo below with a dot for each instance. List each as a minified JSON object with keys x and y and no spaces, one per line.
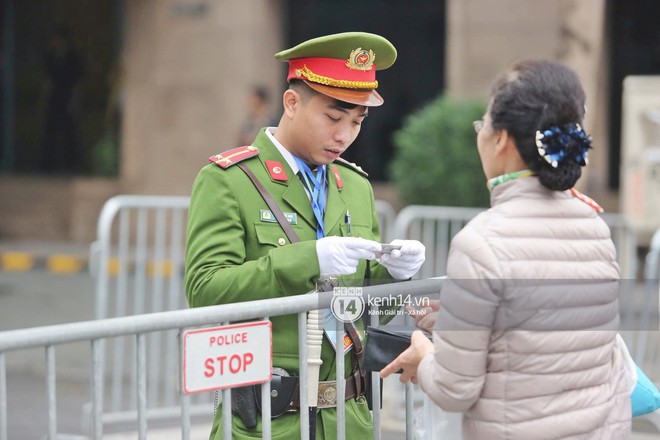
{"x":138,"y":266}
{"x":645,"y":346}
{"x":386,"y":217}
{"x":138,"y":263}
{"x":434,"y":226}
{"x":139,"y":326}
{"x":625,"y":242}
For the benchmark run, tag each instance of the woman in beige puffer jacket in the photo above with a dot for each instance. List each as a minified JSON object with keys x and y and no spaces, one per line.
{"x":525,"y":340}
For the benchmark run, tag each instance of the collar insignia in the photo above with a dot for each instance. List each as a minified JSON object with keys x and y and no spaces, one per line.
{"x":276,"y":171}
{"x":361,"y":59}
{"x":335,"y":170}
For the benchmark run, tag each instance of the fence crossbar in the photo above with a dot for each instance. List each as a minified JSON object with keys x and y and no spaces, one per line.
{"x":138,"y":325}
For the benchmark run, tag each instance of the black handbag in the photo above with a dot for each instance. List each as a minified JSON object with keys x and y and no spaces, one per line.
{"x":384,"y":344}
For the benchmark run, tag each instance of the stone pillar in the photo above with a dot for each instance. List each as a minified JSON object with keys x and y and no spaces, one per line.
{"x":188,"y":69}
{"x":486,"y":36}
{"x":582,"y":46}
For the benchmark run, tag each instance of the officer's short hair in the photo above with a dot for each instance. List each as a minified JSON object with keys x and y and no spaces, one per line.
{"x":307,"y":92}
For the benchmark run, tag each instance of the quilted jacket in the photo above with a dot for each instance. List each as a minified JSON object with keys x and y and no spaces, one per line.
{"x":525,"y":339}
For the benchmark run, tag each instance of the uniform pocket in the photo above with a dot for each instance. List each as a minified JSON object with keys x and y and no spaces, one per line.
{"x":270,"y":234}
{"x":362,"y":231}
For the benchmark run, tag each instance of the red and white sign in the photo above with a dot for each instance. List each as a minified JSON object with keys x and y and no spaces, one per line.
{"x":228,"y":356}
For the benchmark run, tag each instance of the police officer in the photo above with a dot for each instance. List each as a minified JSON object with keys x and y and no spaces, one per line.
{"x":236,"y":249}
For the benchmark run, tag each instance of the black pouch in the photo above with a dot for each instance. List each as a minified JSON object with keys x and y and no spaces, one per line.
{"x":384,"y":344}
{"x":283,"y":391}
{"x":244,"y":405}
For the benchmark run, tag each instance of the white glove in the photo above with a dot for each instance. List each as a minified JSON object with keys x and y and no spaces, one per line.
{"x":341,"y":255}
{"x":403,"y":264}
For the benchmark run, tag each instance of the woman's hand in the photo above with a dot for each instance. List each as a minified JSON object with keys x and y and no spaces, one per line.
{"x":425,"y":317}
{"x":409,"y":360}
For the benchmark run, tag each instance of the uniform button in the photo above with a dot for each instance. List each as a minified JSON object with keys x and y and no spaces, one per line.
{"x":281,"y":241}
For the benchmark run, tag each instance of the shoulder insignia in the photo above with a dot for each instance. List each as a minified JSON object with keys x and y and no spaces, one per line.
{"x":588,"y":200}
{"x":352,"y":166}
{"x":231,"y":157}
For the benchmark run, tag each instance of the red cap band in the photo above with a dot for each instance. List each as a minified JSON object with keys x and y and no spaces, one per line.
{"x":332,"y":72}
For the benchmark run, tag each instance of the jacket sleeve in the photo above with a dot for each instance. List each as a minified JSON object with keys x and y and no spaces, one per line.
{"x":217,"y":270}
{"x":454,"y":375}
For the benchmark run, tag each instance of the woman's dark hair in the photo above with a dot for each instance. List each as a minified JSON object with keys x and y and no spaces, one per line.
{"x":535,"y":95}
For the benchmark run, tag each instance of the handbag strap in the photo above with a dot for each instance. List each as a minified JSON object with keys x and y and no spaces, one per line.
{"x":277,"y":212}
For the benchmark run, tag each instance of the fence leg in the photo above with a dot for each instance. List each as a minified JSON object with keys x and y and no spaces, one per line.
{"x":141,"y":385}
{"x":97,"y":390}
{"x":3,"y":398}
{"x":52,"y":393}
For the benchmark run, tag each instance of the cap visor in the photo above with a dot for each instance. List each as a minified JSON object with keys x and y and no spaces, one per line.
{"x":368,"y":98}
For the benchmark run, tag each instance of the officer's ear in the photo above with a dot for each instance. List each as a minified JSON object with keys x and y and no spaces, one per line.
{"x":292,"y":101}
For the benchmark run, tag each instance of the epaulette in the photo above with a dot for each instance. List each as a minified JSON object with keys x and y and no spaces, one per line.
{"x":351,"y":165}
{"x":235,"y":155}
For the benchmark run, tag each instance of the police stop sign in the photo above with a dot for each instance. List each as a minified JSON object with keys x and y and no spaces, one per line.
{"x":227,"y":356}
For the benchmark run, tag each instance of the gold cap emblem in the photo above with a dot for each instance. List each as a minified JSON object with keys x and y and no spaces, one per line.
{"x":361,"y":59}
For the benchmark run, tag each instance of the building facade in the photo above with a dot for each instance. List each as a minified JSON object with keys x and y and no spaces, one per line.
{"x":185,"y":69}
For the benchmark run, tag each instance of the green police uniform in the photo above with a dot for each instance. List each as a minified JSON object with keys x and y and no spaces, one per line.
{"x":237,"y":252}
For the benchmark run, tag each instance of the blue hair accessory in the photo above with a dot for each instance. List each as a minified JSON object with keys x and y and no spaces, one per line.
{"x":558,"y":143}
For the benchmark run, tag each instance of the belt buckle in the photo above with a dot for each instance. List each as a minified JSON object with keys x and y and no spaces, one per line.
{"x":327,"y":394}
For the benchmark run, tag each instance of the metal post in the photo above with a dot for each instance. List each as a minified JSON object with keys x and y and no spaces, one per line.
{"x":265,"y":406}
{"x":410,"y":424}
{"x":52,"y":392}
{"x":226,"y":410}
{"x":141,"y":367}
{"x":3,"y":397}
{"x":375,"y":386}
{"x":157,"y":300}
{"x":173,"y":297}
{"x":302,"y":355}
{"x":97,"y":390}
{"x":185,"y":399}
{"x":121,"y":292}
{"x":410,"y":398}
{"x":341,"y":381}
{"x":140,"y":273}
{"x":226,"y":413}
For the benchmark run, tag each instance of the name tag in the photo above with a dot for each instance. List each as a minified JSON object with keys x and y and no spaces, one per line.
{"x":266,"y":216}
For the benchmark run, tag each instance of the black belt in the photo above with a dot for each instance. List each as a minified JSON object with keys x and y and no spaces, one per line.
{"x":285,"y":396}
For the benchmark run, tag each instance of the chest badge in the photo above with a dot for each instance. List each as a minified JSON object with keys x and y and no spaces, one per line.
{"x":265,"y":215}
